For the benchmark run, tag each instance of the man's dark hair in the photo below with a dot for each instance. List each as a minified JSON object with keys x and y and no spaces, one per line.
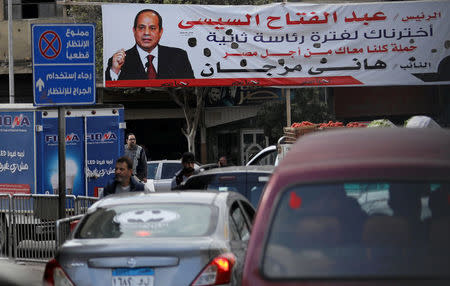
{"x":130,"y":134}
{"x":151,"y":11}
{"x":188,"y":157}
{"x":127,"y":160}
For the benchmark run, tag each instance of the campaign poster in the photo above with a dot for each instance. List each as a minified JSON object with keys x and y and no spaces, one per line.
{"x":17,"y":158}
{"x":280,"y":44}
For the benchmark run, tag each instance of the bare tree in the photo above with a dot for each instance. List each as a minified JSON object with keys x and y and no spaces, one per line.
{"x":192,"y":102}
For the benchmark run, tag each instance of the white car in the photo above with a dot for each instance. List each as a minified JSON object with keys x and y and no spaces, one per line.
{"x":266,"y":156}
{"x":161,"y":172}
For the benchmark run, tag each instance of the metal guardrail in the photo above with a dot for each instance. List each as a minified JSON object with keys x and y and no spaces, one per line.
{"x":28,"y":224}
{"x":64,"y":228}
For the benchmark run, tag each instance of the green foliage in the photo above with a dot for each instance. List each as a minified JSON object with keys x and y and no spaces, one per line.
{"x":305,"y":106}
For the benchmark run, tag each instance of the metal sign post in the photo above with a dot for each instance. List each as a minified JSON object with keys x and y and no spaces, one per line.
{"x":61,"y":162}
{"x":63,"y":74}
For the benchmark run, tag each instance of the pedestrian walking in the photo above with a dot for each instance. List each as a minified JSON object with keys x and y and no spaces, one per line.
{"x":124,"y":180}
{"x":138,"y":157}
{"x":188,"y":164}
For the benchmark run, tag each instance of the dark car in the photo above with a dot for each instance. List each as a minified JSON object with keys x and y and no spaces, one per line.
{"x":356,"y":207}
{"x":246,"y":180}
{"x":166,"y":238}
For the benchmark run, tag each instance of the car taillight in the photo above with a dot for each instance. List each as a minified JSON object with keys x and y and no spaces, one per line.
{"x":73,"y":224}
{"x":217,"y":272}
{"x":54,"y":275}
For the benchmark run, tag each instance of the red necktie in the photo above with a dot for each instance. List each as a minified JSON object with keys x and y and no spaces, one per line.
{"x":151,"y":72}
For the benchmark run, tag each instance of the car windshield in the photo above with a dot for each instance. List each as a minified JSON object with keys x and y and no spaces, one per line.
{"x":169,"y":170}
{"x":151,"y":170}
{"x":149,"y":220}
{"x":351,"y":230}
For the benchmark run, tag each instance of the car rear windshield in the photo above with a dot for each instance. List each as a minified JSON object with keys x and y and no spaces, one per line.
{"x":358,"y":229}
{"x":249,"y":184}
{"x":149,"y":220}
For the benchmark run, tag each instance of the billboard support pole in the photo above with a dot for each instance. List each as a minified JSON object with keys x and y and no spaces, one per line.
{"x":288,"y":107}
{"x":288,"y":98}
{"x":10,"y":53}
{"x":61,"y":162}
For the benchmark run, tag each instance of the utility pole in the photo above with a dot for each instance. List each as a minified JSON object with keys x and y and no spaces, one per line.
{"x":288,"y":99}
{"x":10,"y":53}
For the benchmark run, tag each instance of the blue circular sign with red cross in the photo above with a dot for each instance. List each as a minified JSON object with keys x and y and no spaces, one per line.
{"x":63,"y":64}
{"x":49,"y":45}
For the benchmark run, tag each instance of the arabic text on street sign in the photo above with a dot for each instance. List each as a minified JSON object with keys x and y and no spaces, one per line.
{"x":63,"y":64}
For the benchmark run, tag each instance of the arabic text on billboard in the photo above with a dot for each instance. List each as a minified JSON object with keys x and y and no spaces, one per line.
{"x":369,"y":44}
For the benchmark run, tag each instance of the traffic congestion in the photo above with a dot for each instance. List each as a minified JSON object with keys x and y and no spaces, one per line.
{"x":336,"y":207}
{"x":260,"y":143}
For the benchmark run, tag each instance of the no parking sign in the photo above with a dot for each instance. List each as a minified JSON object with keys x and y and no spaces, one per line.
{"x":63,"y":64}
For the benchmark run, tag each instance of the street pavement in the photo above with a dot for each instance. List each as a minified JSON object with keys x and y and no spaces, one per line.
{"x":27,"y":273}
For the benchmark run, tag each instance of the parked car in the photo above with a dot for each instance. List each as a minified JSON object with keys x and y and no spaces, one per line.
{"x":266,"y":156}
{"x":160,"y":173}
{"x":361,"y":207}
{"x":166,"y":238}
{"x":246,"y":180}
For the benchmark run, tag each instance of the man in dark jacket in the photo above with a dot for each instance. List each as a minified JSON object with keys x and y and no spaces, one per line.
{"x":123,"y":181}
{"x":188,"y":164}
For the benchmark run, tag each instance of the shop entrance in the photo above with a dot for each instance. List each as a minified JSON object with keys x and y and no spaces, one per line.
{"x":162,"y":138}
{"x":252,"y":141}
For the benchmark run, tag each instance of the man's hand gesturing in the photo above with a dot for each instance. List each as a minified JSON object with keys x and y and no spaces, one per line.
{"x":118,"y":60}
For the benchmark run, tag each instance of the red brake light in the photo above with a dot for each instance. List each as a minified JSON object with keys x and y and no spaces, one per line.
{"x":217,"y":272}
{"x":222,"y":263}
{"x":73,"y":224}
{"x":227,"y":178}
{"x":54,"y":275}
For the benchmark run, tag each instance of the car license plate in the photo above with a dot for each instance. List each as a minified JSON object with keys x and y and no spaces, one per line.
{"x":133,"y":277}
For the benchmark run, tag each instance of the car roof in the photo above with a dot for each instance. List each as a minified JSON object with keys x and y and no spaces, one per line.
{"x":237,"y":169}
{"x":199,"y":197}
{"x":169,"y":161}
{"x":165,"y":161}
{"x":392,"y":153}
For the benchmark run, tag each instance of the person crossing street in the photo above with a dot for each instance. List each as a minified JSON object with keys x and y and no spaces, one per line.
{"x":138,"y":157}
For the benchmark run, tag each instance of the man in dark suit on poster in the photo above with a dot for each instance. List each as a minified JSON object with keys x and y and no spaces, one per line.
{"x":147,"y":59}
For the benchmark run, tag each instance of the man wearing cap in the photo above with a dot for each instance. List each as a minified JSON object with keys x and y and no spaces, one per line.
{"x":188,"y":163}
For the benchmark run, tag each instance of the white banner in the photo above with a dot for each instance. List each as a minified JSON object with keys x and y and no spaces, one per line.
{"x":366,"y":44}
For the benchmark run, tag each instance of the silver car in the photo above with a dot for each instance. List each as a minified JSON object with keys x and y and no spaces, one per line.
{"x":160,"y":174}
{"x":166,"y":238}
